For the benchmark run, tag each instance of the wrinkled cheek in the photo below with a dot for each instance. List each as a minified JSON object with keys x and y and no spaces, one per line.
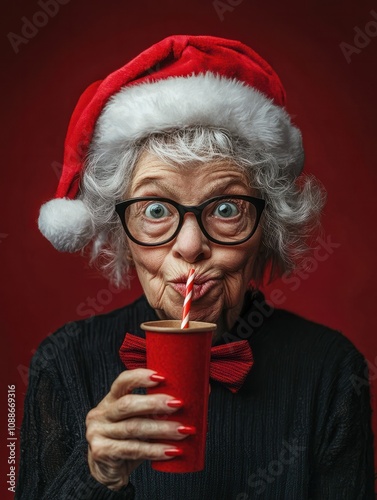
{"x":237,"y":283}
{"x":147,"y":262}
{"x":149,"y":283}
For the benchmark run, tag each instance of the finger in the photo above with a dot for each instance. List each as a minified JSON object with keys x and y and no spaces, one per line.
{"x":142,"y":428}
{"x":137,"y":405}
{"x":110,"y":450}
{"x":130,"y":379}
{"x":157,"y":405}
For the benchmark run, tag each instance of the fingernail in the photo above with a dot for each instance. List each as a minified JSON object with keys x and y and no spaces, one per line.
{"x":187,"y":429}
{"x":156,"y":378}
{"x":175,"y":403}
{"x":174,"y":452}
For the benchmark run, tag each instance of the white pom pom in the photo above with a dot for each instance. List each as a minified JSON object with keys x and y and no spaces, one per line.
{"x":66,"y":224}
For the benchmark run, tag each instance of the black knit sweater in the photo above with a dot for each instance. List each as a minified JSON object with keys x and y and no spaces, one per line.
{"x":299,"y":428}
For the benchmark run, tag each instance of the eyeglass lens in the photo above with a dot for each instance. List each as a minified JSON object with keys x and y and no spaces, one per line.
{"x":227,"y":220}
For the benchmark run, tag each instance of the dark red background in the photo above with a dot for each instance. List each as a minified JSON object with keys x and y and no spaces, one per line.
{"x":332,"y":101}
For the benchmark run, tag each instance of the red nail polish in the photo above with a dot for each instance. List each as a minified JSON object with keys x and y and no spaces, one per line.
{"x":187,"y":429}
{"x":156,"y":378}
{"x":175,"y":403}
{"x":174,"y":452}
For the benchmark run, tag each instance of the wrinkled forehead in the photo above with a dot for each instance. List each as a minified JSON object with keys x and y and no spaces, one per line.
{"x":152,"y":176}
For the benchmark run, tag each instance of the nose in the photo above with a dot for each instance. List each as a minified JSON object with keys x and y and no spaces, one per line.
{"x":191,"y":244}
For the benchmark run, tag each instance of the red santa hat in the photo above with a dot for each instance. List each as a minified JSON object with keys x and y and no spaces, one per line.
{"x":179,"y":82}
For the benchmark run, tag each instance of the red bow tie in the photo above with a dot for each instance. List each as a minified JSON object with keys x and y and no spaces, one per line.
{"x":230,"y":363}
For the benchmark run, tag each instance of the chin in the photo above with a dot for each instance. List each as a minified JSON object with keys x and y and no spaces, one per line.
{"x":170,"y":312}
{"x":209,"y":315}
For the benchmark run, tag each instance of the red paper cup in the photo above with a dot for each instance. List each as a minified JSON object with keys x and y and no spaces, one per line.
{"x":182,"y":357}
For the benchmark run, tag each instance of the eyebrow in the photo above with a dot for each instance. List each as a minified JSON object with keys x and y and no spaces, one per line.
{"x":160,"y":185}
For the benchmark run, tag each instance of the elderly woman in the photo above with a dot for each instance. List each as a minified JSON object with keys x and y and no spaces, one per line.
{"x":185,"y":158}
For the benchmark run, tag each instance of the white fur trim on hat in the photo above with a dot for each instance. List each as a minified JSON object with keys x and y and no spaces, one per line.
{"x":206,"y":99}
{"x":66,"y":224}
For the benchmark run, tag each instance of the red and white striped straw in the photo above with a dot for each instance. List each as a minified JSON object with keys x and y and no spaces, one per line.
{"x":188,"y":298}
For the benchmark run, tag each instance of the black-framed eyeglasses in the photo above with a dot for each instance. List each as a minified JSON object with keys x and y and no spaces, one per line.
{"x":226,"y":220}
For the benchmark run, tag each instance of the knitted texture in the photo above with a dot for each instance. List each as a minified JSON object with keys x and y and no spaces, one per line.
{"x":299,"y":428}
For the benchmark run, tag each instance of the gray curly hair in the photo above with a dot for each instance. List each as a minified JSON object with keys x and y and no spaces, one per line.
{"x":293,"y":206}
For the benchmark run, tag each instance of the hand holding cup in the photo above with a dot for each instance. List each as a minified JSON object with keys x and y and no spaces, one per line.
{"x":125,"y":429}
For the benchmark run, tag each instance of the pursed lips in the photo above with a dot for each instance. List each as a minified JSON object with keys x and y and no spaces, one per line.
{"x":202,"y":285}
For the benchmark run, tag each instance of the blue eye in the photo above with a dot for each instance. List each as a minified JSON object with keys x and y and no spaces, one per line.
{"x":156,"y":211}
{"x":226,"y":209}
